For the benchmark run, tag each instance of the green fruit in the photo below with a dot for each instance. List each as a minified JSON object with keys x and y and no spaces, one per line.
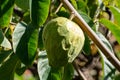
{"x":63,"y":40}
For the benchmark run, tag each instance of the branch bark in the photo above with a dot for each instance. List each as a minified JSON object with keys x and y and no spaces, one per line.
{"x":86,"y":28}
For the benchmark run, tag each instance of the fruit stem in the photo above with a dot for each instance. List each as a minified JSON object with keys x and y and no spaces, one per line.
{"x":87,"y":29}
{"x":72,"y":15}
{"x":59,"y":7}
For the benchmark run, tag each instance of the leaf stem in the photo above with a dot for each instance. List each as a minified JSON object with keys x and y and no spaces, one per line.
{"x":86,"y":28}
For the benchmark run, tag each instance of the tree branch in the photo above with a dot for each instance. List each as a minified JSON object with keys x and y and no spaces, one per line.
{"x":86,"y":28}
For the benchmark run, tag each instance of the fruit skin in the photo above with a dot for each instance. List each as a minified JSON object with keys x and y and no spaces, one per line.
{"x":63,"y":40}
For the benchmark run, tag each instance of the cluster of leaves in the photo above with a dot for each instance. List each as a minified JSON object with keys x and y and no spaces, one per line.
{"x":21,"y":25}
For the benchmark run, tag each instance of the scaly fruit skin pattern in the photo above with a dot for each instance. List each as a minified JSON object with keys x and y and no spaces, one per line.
{"x":63,"y":40}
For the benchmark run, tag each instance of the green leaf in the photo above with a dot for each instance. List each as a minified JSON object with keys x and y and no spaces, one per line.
{"x":118,"y":3}
{"x":1,"y":36}
{"x":32,"y":45}
{"x":105,"y":41}
{"x":115,"y":29}
{"x":87,"y":47}
{"x":25,"y":41}
{"x":26,"y":17}
{"x":23,"y":4}
{"x":7,"y":69}
{"x":109,"y":2}
{"x":62,"y":73}
{"x":5,"y":43}
{"x":63,"y":13}
{"x":107,"y":67}
{"x":82,"y":6}
{"x":20,"y":69}
{"x":86,"y":18}
{"x":43,"y":66}
{"x":56,"y":73}
{"x":4,"y":55}
{"x":6,"y":9}
{"x":40,"y":41}
{"x":25,"y":77}
{"x":74,"y":3}
{"x":68,"y":72}
{"x":116,"y":13}
{"x":49,"y":73}
{"x":27,"y":45}
{"x":93,"y":6}
{"x":116,"y":77}
{"x":17,"y":34}
{"x":39,"y":10}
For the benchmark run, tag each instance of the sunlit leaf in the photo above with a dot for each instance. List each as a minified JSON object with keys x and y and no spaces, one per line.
{"x":115,"y":29}
{"x":108,"y":2}
{"x":25,"y":41}
{"x":116,"y":13}
{"x":43,"y":66}
{"x":7,"y":69}
{"x":6,"y":9}
{"x":118,"y":3}
{"x":17,"y":34}
{"x":74,"y":3}
{"x":39,"y":10}
{"x":28,"y":45}
{"x":5,"y":43}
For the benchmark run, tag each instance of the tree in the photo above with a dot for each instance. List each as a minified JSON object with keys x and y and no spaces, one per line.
{"x":21,"y":45}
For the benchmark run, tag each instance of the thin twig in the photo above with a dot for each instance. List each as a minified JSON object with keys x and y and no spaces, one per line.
{"x":59,"y":7}
{"x":81,"y":75}
{"x":86,"y":28}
